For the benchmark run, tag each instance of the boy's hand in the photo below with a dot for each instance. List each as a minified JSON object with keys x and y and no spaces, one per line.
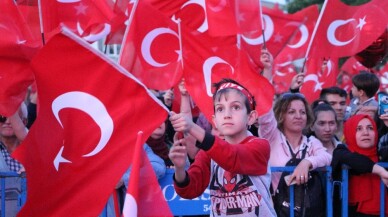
{"x":181,"y":122}
{"x":178,"y":153}
{"x":168,"y":97}
{"x":266,"y":59}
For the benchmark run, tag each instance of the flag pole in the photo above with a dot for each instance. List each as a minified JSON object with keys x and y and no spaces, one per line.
{"x":262,"y":24}
{"x":314,"y":33}
{"x":133,"y":181}
{"x":291,"y":37}
{"x":41,"y":21}
{"x":128,"y":27}
{"x":180,"y":41}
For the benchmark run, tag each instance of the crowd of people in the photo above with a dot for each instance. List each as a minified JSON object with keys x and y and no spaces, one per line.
{"x":232,"y":154}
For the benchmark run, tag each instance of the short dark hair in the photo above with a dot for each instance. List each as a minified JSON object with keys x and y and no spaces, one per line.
{"x":217,"y":94}
{"x":368,"y":82}
{"x":332,"y":90}
{"x":318,"y":102}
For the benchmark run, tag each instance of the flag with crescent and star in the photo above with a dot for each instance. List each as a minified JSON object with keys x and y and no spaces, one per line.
{"x":17,"y":46}
{"x":297,"y":44}
{"x":345,"y":30}
{"x":320,"y":73}
{"x":84,"y":136}
{"x":278,"y":28}
{"x":209,"y":59}
{"x":87,"y":18}
{"x":151,"y":49}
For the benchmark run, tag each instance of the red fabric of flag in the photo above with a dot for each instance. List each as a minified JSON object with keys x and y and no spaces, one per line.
{"x":207,"y":61}
{"x":17,"y":46}
{"x":87,"y":18}
{"x":83,"y":138}
{"x":151,"y":49}
{"x":144,"y":190}
{"x":297,"y":45}
{"x":345,"y":30}
{"x":320,"y":73}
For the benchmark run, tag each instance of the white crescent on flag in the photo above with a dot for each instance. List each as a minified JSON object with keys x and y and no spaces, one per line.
{"x":268,"y":31}
{"x":304,"y":34}
{"x":207,"y":70}
{"x":91,"y":106}
{"x":314,"y":78}
{"x":147,"y":42}
{"x":204,"y":26}
{"x":331,"y":32}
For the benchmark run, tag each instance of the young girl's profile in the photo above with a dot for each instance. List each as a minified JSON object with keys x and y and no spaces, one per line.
{"x":235,"y":168}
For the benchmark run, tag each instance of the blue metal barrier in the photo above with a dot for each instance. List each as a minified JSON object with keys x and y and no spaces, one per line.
{"x":180,"y":206}
{"x":382,"y":191}
{"x":345,"y":191}
{"x":20,"y":198}
{"x":329,"y":198}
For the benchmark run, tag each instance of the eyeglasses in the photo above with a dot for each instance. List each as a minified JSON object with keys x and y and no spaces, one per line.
{"x":289,"y":95}
{"x":3,"y":119}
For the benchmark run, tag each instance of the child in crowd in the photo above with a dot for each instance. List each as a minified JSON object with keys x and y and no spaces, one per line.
{"x":365,"y":86}
{"x":235,"y":169}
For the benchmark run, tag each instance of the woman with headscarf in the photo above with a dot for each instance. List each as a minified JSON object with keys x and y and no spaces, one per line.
{"x":364,"y":192}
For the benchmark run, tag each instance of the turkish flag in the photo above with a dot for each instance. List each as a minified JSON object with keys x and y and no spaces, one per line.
{"x":282,"y":76}
{"x":297,"y":45}
{"x":353,"y":66}
{"x":87,"y":18}
{"x":122,"y":10}
{"x":190,"y":12}
{"x":17,"y":46}
{"x":320,"y":73}
{"x":345,"y":30}
{"x":278,"y":28}
{"x":144,"y":190}
{"x":151,"y":49}
{"x":91,"y":110}
{"x":207,"y":61}
{"x":30,"y":11}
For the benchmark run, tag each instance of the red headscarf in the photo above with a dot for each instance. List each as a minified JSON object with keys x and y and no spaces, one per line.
{"x":363,"y":189}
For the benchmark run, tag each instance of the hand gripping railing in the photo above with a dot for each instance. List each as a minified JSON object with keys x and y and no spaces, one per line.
{"x":329,"y":199}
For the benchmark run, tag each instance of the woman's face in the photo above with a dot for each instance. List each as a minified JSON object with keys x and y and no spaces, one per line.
{"x":365,"y":134}
{"x":295,"y":118}
{"x":325,"y":126}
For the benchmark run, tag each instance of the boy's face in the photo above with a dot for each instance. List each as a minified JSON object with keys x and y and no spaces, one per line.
{"x":230,"y":116}
{"x":355,"y":91}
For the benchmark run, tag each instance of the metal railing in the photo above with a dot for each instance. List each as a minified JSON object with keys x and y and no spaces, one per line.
{"x":180,"y":206}
{"x":329,"y":185}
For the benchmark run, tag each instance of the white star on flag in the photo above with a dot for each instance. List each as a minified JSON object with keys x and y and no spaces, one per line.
{"x":80,"y":9}
{"x":361,"y":22}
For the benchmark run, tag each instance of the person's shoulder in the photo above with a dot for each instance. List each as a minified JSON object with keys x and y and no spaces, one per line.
{"x":312,"y":140}
{"x":254,"y":139}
